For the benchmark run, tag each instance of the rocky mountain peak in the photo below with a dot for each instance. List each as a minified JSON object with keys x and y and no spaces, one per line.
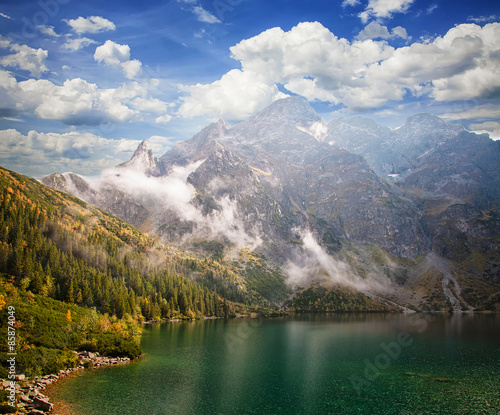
{"x":143,"y":161}
{"x":286,"y":122}
{"x":196,"y":147}
{"x":292,"y":111}
{"x":418,"y":126}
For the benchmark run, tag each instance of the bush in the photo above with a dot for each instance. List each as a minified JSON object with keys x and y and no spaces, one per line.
{"x":7,"y":409}
{"x":41,"y":361}
{"x":4,"y":373}
{"x":111,"y":344}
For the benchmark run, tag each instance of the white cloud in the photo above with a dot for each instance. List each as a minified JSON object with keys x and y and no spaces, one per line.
{"x":489,"y":127}
{"x":77,"y":102}
{"x":163,"y":119}
{"x":474,"y":112}
{"x":204,"y":16}
{"x":24,"y":57}
{"x":132,"y":68}
{"x":175,"y":193}
{"x":78,"y":43}
{"x":5,"y":16}
{"x":347,"y":3}
{"x":374,"y":30}
{"x":92,"y":24}
{"x":484,"y":19}
{"x":431,"y":8}
{"x":384,"y":8}
{"x":47,"y":30}
{"x":400,"y":31}
{"x":38,"y":154}
{"x":237,"y":95}
{"x":201,"y":14}
{"x":153,"y":105}
{"x":160,"y":144}
{"x":312,"y":62}
{"x":114,"y":54}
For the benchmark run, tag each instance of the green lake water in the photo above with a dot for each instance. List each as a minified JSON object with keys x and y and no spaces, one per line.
{"x":305,"y":364}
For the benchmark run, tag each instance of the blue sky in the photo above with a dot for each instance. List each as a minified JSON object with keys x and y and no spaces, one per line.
{"x":82,"y":83}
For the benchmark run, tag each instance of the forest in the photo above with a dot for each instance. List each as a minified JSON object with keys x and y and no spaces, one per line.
{"x":81,"y":279}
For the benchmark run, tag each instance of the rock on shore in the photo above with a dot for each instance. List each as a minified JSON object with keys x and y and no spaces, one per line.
{"x":30,"y":399}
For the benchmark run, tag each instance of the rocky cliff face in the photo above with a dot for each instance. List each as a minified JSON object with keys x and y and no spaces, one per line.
{"x":373,"y":201}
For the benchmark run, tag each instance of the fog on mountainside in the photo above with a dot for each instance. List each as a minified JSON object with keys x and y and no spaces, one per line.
{"x":348,"y":203}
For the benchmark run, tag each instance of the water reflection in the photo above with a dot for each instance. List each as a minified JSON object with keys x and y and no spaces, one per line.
{"x":303,"y":364}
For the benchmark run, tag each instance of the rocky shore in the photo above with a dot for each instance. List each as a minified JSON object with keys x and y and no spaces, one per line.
{"x":31,"y":400}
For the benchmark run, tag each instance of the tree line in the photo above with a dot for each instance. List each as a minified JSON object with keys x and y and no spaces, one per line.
{"x":51,"y":245}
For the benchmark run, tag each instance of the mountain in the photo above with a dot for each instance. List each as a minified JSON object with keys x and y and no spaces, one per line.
{"x":398,"y":215}
{"x":143,"y":160}
{"x":391,"y":152}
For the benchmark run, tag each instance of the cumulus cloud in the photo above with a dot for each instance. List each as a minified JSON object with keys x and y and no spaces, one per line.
{"x":163,"y":119}
{"x":312,"y":62}
{"x":237,"y":95}
{"x":374,"y":30}
{"x":39,"y":154}
{"x":400,"y":31}
{"x":24,"y":57}
{"x":384,"y":8}
{"x":114,"y":54}
{"x":78,"y":43}
{"x":92,"y":24}
{"x":47,"y":30}
{"x":76,"y":101}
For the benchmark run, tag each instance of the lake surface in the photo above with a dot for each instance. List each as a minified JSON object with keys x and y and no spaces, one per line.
{"x":306,"y":364}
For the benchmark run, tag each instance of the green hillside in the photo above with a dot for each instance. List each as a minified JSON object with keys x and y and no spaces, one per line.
{"x":80,"y":278}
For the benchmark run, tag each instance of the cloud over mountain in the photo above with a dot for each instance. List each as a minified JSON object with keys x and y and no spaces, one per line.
{"x":309,"y":60}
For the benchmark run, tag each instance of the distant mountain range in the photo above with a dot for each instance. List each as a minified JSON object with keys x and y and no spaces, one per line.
{"x":408,"y":216}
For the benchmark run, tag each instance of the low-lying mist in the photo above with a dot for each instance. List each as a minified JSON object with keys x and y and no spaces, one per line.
{"x":312,"y":263}
{"x":174,"y":193}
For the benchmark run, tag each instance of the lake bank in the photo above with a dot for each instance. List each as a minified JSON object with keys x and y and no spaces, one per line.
{"x":30,"y":396}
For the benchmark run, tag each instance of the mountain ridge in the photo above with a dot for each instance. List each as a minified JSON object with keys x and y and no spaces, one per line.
{"x":284,"y":171}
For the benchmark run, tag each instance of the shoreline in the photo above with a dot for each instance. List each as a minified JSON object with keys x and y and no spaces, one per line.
{"x":31,"y":399}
